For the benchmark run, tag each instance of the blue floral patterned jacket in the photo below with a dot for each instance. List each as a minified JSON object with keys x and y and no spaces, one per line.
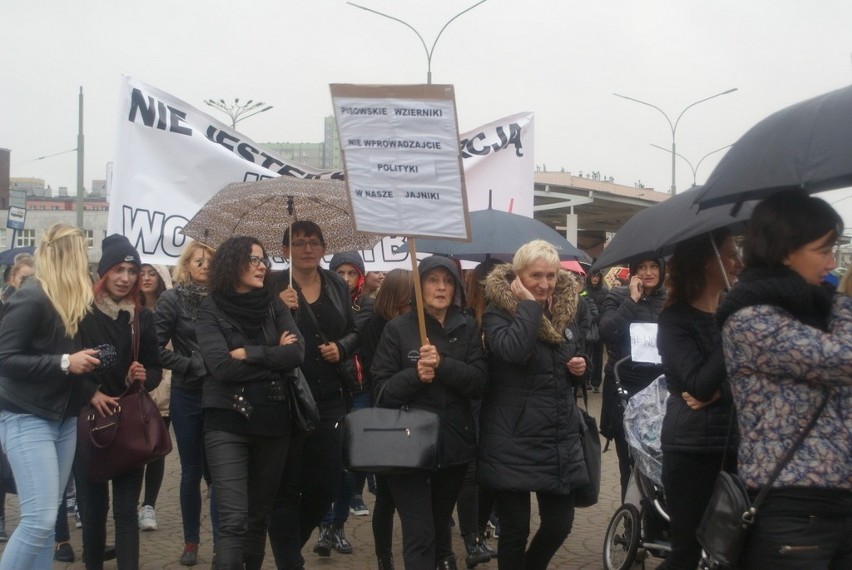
{"x":780,"y":369}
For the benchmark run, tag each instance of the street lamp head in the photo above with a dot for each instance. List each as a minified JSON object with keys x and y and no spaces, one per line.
{"x":730,"y":91}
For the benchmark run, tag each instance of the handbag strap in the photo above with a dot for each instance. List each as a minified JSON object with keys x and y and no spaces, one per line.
{"x":761,"y":496}
{"x":134,"y":337}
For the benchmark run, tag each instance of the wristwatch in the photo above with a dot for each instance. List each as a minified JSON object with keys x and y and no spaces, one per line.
{"x":65,"y":363}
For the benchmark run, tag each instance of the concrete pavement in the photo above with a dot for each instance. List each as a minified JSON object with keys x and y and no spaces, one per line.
{"x":162,"y":548}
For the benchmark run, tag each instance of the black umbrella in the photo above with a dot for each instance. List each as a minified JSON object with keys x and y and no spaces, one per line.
{"x":8,"y":257}
{"x":498,"y":234}
{"x":807,"y":145}
{"x":654,"y":232}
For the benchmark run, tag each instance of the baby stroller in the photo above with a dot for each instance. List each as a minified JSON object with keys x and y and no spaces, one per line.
{"x":640,"y":526}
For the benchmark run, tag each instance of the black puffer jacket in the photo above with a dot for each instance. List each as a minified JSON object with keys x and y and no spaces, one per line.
{"x":184,"y":360}
{"x":530,"y":425}
{"x":459,"y":378}
{"x":690,"y":345}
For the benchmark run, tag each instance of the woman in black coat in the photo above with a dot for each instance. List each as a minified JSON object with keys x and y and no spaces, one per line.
{"x":640,"y":302}
{"x":250,"y":343}
{"x":530,"y":426}
{"x":442,"y":377}
{"x":111,"y":324}
{"x":699,"y":407}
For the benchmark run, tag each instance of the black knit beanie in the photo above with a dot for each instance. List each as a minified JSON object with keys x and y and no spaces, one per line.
{"x":117,"y":249}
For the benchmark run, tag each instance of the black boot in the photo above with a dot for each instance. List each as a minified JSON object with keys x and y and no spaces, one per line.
{"x":483,"y":542}
{"x":338,"y":539}
{"x":253,"y":561}
{"x":323,"y":545}
{"x":447,"y":564}
{"x":475,"y":553}
{"x":386,"y":562}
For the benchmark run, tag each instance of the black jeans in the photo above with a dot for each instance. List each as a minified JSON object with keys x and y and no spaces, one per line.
{"x":425,"y":502}
{"x":556,"y":513}
{"x":308,"y":484}
{"x":94,"y":504}
{"x":596,"y":353}
{"x":154,"y":472}
{"x":383,"y":511}
{"x":468,"y":502}
{"x":798,"y":540}
{"x":688,"y":479}
{"x":246,"y":471}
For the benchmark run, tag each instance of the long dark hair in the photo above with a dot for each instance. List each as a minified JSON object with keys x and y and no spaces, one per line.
{"x":394,"y":294}
{"x":783,"y":223}
{"x":229,"y":261}
{"x":686,"y":275}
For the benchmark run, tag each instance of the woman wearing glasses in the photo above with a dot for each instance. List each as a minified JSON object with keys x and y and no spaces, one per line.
{"x":323,"y":310}
{"x":250,"y":342}
{"x":175,"y":313}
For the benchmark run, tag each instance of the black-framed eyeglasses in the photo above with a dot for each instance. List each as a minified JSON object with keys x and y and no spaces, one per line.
{"x":302,"y":243}
{"x":256,"y":260}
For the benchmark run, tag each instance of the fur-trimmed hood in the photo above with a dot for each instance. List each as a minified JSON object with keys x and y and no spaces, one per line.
{"x":562,"y":310}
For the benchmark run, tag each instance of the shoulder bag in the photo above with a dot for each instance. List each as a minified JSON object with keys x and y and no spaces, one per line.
{"x":730,"y":514}
{"x":390,"y":440}
{"x":303,"y":407}
{"x":133,"y":436}
{"x":590,"y":440}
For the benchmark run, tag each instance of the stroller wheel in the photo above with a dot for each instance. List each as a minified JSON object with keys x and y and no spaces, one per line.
{"x":622,"y":538}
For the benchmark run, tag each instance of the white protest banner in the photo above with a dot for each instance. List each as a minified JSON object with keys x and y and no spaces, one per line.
{"x":400,"y":147}
{"x":172,"y":158}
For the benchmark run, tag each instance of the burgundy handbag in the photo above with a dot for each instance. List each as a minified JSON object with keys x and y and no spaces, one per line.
{"x":133,"y":436}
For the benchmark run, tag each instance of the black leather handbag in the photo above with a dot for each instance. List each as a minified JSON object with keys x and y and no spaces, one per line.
{"x":303,"y":407}
{"x":730,"y":514}
{"x":390,"y":440}
{"x":590,"y":439}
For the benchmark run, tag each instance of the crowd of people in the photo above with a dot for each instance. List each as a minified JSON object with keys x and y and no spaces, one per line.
{"x":750,"y":350}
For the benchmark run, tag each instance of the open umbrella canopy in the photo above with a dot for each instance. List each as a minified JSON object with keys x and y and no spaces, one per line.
{"x":807,"y":145}
{"x":8,"y":257}
{"x":654,"y":232}
{"x":265,"y":209}
{"x":498,"y":234}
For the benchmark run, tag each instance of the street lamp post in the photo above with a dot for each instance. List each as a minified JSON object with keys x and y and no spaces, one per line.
{"x":428,"y":51}
{"x":693,"y":168}
{"x":673,"y":126}
{"x":238,"y":112}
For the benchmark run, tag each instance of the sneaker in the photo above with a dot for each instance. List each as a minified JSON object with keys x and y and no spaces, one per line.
{"x":64,"y":553}
{"x":147,"y":518}
{"x":71,"y":502}
{"x":190,"y":555}
{"x":358,"y":508}
{"x":78,"y":522}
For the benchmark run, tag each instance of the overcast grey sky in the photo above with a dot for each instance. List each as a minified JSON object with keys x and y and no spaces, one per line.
{"x":562,"y":59}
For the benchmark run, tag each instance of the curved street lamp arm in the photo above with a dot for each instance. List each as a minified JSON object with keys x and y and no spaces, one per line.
{"x":697,"y":102}
{"x":649,"y":105}
{"x":686,"y":160}
{"x":428,"y":51}
{"x":711,"y":152}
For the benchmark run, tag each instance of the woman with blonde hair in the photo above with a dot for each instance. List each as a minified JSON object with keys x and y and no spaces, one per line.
{"x":176,"y":313}
{"x":41,"y":362}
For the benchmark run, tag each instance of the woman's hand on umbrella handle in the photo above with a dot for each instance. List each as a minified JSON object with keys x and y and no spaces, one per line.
{"x":518,"y":290}
{"x":290,"y":298}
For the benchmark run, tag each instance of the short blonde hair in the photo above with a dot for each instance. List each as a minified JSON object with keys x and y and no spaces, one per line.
{"x":62,"y":269}
{"x":536,"y":250}
{"x":181,"y":273}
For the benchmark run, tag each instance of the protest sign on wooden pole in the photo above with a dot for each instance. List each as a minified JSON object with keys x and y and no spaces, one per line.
{"x":399,"y":145}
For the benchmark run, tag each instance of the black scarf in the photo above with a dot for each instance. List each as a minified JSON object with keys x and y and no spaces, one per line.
{"x":190,"y":297}
{"x":780,"y":287}
{"x":246,"y":309}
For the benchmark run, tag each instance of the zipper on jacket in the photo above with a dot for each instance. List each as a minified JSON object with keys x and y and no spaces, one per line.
{"x":787,"y":549}
{"x":406,"y":430}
